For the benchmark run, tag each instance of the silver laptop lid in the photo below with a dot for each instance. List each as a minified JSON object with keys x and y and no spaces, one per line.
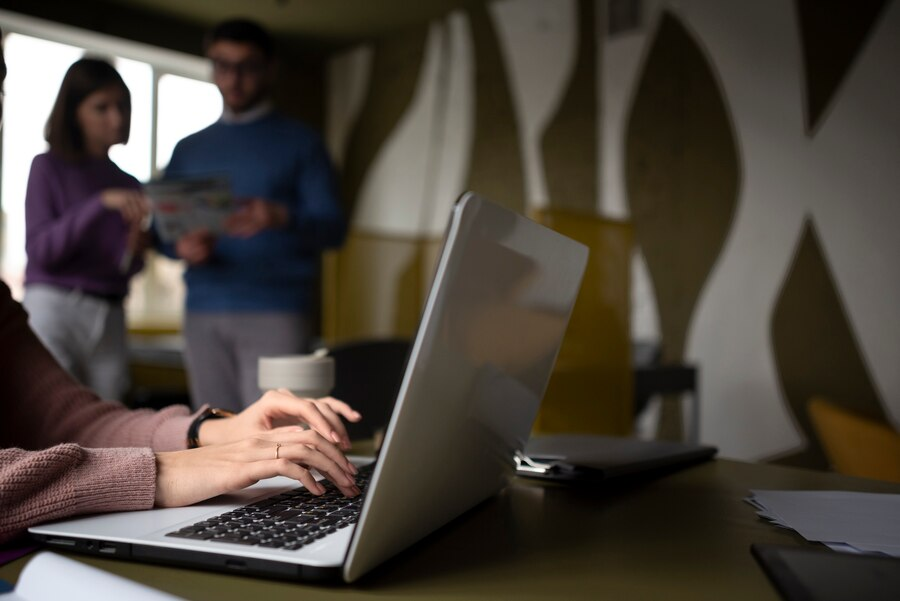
{"x":490,"y":332}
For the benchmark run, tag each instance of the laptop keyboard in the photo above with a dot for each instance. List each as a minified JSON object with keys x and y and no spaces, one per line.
{"x":287,"y":521}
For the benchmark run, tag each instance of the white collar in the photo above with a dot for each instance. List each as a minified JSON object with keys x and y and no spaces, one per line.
{"x":259,"y":111}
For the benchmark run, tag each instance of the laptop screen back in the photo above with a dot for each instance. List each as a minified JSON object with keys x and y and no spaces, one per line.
{"x":490,"y":332}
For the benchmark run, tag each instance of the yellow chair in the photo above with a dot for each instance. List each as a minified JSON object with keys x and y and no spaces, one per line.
{"x":375,"y":286}
{"x":591,"y":389}
{"x":856,"y":445}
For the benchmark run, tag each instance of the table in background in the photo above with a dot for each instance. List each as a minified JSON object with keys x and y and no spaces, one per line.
{"x":686,"y":535}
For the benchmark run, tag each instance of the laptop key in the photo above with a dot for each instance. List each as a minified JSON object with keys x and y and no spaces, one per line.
{"x":288,"y":521}
{"x":224,"y":539}
{"x":190,"y":534}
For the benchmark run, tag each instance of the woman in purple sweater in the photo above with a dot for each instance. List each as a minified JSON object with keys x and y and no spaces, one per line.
{"x":83,"y":229}
{"x":64,"y":452}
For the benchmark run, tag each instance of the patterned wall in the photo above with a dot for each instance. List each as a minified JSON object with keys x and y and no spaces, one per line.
{"x":815,"y":348}
{"x":752,"y":145}
{"x":682,"y":176}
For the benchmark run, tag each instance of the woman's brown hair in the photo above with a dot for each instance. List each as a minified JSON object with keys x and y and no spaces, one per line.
{"x":83,"y":78}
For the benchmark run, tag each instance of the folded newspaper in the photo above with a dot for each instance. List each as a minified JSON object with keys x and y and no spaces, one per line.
{"x":184,"y":205}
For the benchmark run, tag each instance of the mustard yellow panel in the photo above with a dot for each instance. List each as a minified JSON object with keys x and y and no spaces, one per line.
{"x":375,"y":286}
{"x":854,"y":444}
{"x":591,"y":388}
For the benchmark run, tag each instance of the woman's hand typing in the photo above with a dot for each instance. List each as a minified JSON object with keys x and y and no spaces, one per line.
{"x":191,"y":476}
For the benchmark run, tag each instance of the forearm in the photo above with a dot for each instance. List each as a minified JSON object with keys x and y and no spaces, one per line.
{"x":67,"y":480}
{"x":102,"y":424}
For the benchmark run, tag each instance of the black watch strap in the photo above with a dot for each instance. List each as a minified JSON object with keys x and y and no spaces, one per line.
{"x":193,"y":435}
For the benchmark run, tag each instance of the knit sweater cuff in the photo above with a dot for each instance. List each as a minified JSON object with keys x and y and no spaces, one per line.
{"x":171,"y":435}
{"x":115,"y":480}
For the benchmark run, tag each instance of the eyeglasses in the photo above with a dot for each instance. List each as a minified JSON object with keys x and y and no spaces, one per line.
{"x":242,"y":68}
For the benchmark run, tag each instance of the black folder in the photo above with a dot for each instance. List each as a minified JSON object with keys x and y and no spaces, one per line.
{"x":820,"y":574}
{"x":596,"y":459}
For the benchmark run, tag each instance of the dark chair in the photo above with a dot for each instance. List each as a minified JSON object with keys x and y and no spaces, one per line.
{"x":651,"y":377}
{"x":367,"y":376}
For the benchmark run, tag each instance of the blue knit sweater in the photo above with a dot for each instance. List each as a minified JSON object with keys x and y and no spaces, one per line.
{"x":280,"y":160}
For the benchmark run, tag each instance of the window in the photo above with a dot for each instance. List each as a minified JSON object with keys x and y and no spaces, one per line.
{"x":27,"y":104}
{"x":176,"y":119}
{"x":38,"y":53}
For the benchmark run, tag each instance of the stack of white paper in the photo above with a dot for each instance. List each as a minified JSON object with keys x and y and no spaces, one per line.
{"x":49,"y":577}
{"x":845,"y":521}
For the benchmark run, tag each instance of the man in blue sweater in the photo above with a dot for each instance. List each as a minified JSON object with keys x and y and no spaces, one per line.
{"x":249,"y":292}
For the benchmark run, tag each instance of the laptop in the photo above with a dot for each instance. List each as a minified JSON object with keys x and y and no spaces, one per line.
{"x":493,"y":322}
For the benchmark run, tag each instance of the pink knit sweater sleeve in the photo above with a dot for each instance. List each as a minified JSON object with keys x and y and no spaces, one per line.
{"x":64,"y":480}
{"x":63,"y":451}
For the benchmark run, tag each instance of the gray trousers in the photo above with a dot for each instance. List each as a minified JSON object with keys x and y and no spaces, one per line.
{"x":222,"y":351}
{"x":85,"y":334}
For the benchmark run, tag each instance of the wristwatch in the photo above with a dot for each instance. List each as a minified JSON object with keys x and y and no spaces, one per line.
{"x":193,"y":435}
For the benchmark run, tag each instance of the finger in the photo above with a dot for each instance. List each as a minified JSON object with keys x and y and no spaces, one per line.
{"x":325,"y":447}
{"x":283,"y":467}
{"x":311,"y":457}
{"x":339,"y":406}
{"x":131,"y":210}
{"x":306,"y":454}
{"x":144,"y":205}
{"x":291,"y":437}
{"x":335,"y":421}
{"x":135,"y":209}
{"x":275,"y":432}
{"x":348,"y":491}
{"x":305,"y":410}
{"x":347,"y":486}
{"x":122,"y":207}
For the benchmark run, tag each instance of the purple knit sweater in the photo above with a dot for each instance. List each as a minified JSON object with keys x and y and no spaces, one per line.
{"x":72,"y":240}
{"x":62,"y":450}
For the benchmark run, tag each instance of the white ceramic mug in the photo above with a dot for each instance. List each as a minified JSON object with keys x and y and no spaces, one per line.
{"x":308,"y":376}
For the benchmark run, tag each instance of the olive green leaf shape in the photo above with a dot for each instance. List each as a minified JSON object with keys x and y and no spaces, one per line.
{"x":815,"y":349}
{"x":569,"y":145}
{"x":396,"y":63}
{"x":832,"y":32}
{"x":495,"y":164}
{"x":682,"y":173}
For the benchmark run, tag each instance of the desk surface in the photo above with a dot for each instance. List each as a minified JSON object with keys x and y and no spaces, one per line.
{"x":686,"y":535}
